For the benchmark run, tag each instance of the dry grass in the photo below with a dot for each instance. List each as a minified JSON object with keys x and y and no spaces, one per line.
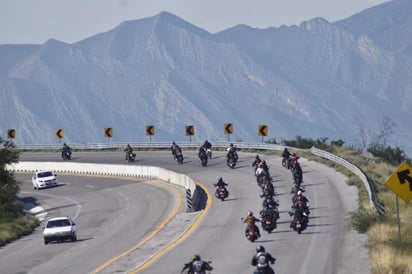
{"x":388,"y":260}
{"x":387,"y":254}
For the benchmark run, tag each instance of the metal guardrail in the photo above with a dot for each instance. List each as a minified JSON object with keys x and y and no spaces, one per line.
{"x":373,"y":200}
{"x":151,"y":145}
{"x":222,"y":145}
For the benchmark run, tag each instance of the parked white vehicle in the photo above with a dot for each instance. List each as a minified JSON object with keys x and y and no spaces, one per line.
{"x":43,"y":179}
{"x":59,"y":229}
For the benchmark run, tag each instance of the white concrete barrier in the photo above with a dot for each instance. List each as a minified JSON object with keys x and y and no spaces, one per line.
{"x":113,"y":170}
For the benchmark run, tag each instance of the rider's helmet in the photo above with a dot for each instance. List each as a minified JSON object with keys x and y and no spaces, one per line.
{"x":231,"y":144}
{"x":250,"y":213}
{"x":174,"y":143}
{"x":220,"y":179}
{"x":195,"y":257}
{"x":260,"y":249}
{"x":299,"y":192}
{"x":257,"y":157}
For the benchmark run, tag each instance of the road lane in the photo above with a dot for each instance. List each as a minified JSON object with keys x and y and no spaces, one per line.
{"x":322,"y":248}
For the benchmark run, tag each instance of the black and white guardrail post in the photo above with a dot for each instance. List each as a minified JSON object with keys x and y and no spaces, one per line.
{"x":189,"y":199}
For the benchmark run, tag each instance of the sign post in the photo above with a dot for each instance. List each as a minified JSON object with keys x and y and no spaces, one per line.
{"x":108,"y":132}
{"x":190,"y":131}
{"x":262,"y":131}
{"x":400,"y":182}
{"x":59,"y":133}
{"x":11,"y":133}
{"x":150,"y":131}
{"x":228,"y":129}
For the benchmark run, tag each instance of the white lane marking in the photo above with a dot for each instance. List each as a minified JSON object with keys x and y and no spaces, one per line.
{"x":89,"y":186}
{"x":79,"y":207}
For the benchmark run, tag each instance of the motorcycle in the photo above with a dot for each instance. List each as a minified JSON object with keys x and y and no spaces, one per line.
{"x":67,"y":155}
{"x":209,"y":153}
{"x":252,"y":234}
{"x":231,"y":160}
{"x":197,"y":268}
{"x":203,"y":159}
{"x":268,"y":223}
{"x":130,"y":157}
{"x":299,"y":225}
{"x":299,"y":222}
{"x":179,"y":157}
{"x":221,"y":193}
{"x":286,"y":163}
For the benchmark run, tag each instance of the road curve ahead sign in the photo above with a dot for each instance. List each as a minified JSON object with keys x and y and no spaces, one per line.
{"x":59,"y":133}
{"x":11,"y":133}
{"x":150,"y":130}
{"x":400,"y":182}
{"x":108,"y":132}
{"x":190,"y":130}
{"x":228,"y":128}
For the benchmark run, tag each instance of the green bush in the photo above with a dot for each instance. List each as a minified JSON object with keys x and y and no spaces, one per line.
{"x":16,"y":229}
{"x":362,"y":219}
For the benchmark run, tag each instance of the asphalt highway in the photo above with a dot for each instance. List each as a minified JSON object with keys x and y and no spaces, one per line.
{"x":114,"y":215}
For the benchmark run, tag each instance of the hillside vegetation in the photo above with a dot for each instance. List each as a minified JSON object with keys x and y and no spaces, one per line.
{"x":13,"y":222}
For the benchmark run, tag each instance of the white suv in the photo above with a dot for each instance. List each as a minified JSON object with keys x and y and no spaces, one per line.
{"x":42,"y":179}
{"x":59,"y":229}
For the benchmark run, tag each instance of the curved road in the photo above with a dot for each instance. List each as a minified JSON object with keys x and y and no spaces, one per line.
{"x":325,"y":247}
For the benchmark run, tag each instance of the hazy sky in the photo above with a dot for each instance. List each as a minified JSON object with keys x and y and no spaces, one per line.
{"x":35,"y":21}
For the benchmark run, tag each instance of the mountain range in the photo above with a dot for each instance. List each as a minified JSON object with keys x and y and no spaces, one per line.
{"x":317,"y":79}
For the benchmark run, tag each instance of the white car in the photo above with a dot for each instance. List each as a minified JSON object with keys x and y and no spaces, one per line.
{"x":42,"y":179}
{"x":59,"y":229}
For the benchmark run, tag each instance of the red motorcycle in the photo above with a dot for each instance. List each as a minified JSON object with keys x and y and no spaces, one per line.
{"x":268,"y":223}
{"x":251,"y":234}
{"x":221,"y":193}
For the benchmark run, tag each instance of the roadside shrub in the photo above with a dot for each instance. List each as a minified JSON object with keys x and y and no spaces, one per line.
{"x":363,"y":219}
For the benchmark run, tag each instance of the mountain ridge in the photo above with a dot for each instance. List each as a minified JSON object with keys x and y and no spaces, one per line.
{"x":318,"y":79}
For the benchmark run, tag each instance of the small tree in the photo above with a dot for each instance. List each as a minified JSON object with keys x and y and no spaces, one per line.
{"x":9,"y":206}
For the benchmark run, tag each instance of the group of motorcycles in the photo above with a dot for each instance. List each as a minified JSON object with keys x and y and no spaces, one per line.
{"x":300,"y":204}
{"x":270,"y":212}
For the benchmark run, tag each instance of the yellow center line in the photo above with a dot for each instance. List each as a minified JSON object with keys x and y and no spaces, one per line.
{"x":150,"y":236}
{"x":185,"y":234}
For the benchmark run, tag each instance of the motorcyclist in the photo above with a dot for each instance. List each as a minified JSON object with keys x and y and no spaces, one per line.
{"x":299,"y":214}
{"x":66,"y":149}
{"x":267,"y":211}
{"x":286,"y":154}
{"x":297,"y":174}
{"x":202,"y":152}
{"x":261,"y":260}
{"x":270,"y":202}
{"x":256,"y":162}
{"x":129,"y":151}
{"x":268,"y":190}
{"x":260,"y":171}
{"x":265,"y":167}
{"x":232,"y":151}
{"x":300,"y":197}
{"x":220,"y":183}
{"x":196,"y":265}
{"x":301,"y":201}
{"x":294,"y":158}
{"x":207,"y":145}
{"x":174,"y":148}
{"x":251,"y":220}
